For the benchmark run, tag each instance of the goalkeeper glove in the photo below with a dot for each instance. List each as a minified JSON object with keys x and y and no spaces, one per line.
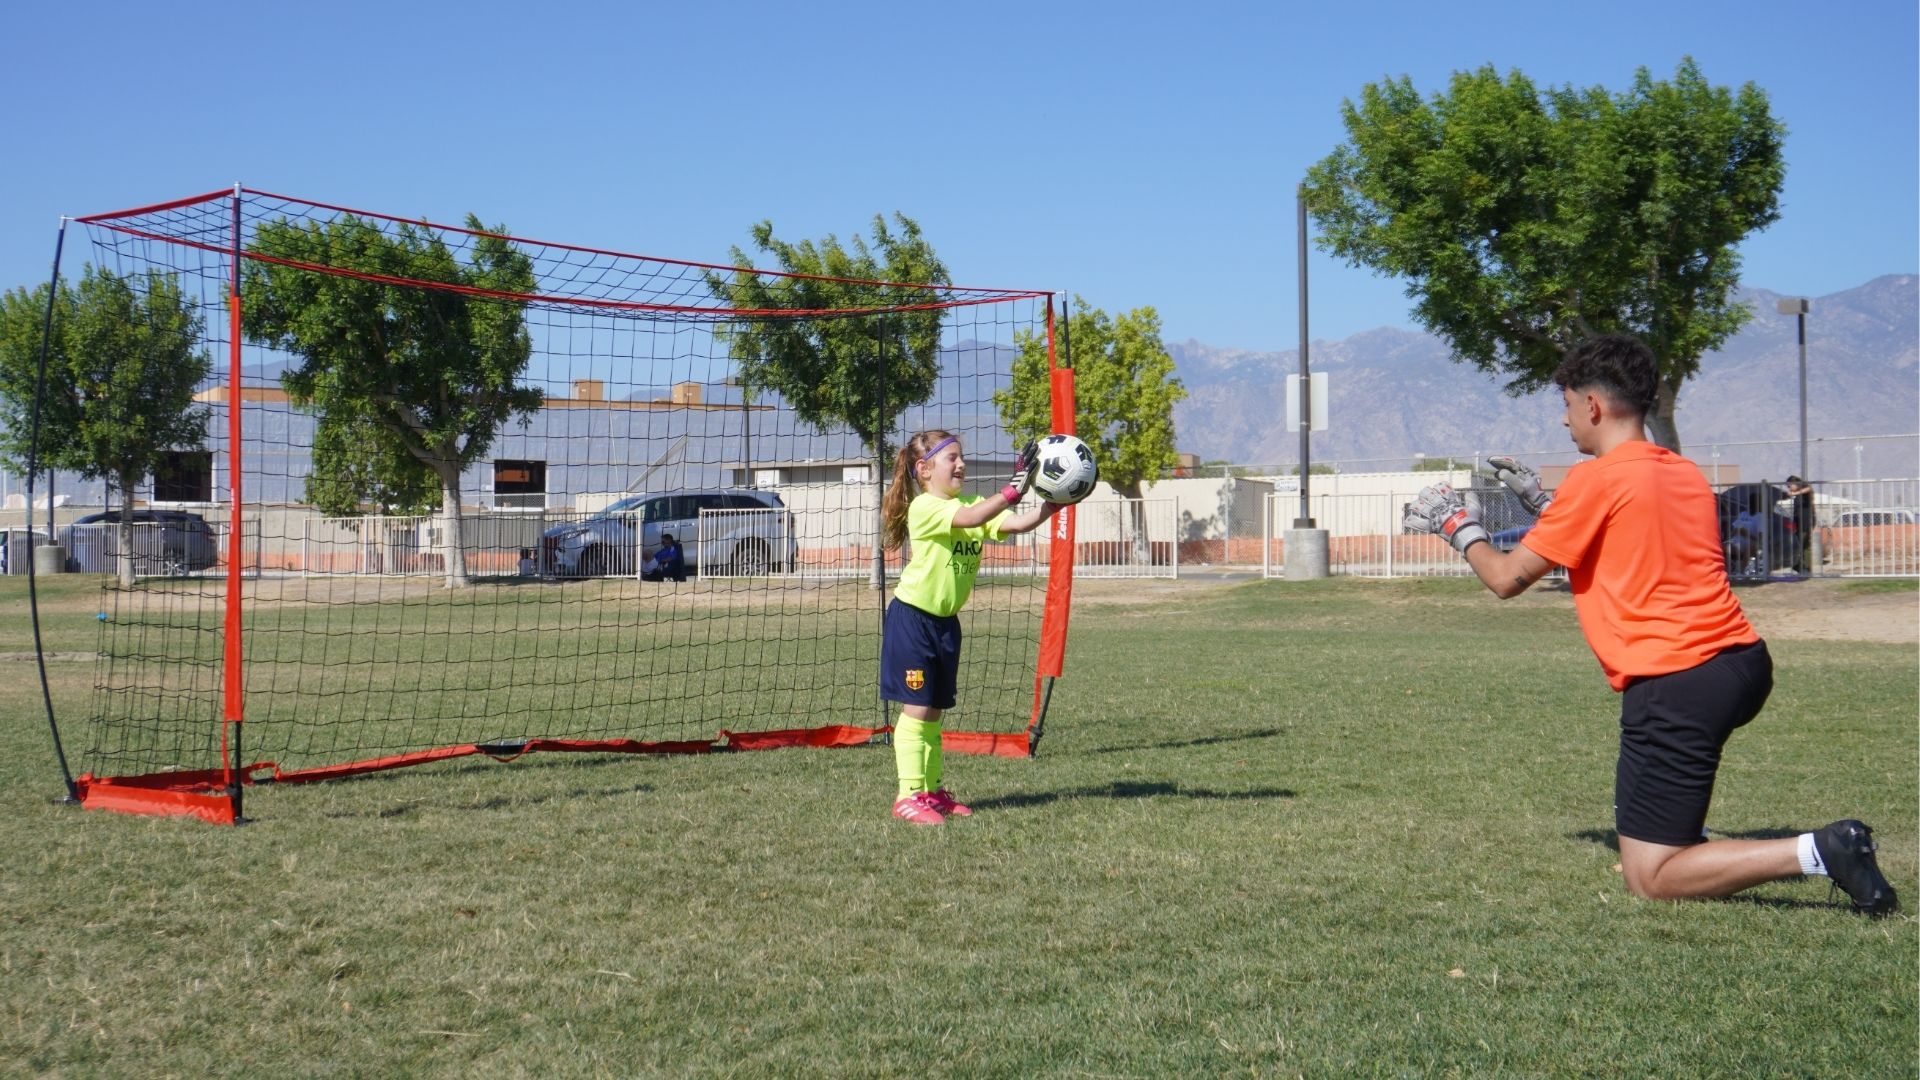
{"x":1439,"y":509}
{"x":1023,"y":464}
{"x":1522,"y":481}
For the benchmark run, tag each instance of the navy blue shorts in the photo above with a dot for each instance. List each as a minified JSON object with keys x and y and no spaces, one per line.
{"x":1672,"y":728}
{"x":919,"y":657}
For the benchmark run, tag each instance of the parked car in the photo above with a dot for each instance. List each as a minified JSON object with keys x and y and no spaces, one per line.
{"x":164,"y":542}
{"x":618,"y":540}
{"x":1892,"y":515}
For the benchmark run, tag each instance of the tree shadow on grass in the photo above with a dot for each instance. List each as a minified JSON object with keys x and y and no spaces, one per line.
{"x":1209,"y":740}
{"x":1128,"y":789}
{"x":496,"y":802}
{"x":463,"y":806}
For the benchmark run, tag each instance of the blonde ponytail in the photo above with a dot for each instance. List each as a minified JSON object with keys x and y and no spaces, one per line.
{"x":904,"y":486}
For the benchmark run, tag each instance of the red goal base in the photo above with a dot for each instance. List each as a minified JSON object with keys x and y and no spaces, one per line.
{"x":204,"y":795}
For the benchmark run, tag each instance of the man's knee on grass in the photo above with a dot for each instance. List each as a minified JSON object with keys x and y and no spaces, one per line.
{"x":1642,"y":863}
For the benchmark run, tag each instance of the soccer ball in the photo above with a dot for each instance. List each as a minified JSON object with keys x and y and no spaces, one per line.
{"x":1065,"y":471}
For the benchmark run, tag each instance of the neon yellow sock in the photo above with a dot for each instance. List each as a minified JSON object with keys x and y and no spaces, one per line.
{"x":931,"y":734}
{"x":910,"y":754}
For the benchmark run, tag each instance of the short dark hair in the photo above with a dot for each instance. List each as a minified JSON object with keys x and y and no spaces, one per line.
{"x":1618,"y":365}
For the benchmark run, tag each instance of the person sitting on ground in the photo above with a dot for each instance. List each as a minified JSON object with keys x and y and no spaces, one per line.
{"x":669,"y":563}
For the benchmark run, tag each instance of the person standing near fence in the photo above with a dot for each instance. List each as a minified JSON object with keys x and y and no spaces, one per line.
{"x":1802,"y":494}
{"x":1636,"y":529}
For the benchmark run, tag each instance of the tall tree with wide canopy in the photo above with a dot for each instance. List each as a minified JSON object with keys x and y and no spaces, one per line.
{"x":123,"y":362}
{"x":839,"y":370}
{"x":861,"y":373}
{"x":434,"y":372}
{"x":1124,"y":394}
{"x":1526,"y":220}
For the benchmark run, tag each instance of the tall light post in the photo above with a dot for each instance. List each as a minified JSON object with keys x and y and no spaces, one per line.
{"x":1305,"y":520}
{"x":1797,"y":307}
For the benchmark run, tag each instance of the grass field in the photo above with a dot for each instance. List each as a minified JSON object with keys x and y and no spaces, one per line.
{"x":1328,"y":829}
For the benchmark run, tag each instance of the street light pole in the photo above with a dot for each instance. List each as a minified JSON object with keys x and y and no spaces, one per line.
{"x":1797,"y":307}
{"x":1305,"y":520}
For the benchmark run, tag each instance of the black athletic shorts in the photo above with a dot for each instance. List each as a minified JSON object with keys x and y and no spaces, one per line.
{"x":1671,"y":730}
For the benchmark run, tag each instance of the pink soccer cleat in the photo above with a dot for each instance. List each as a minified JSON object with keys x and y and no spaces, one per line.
{"x":946,"y":804}
{"x":918,"y":809}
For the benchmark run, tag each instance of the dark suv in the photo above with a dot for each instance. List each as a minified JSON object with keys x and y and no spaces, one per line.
{"x":749,"y":533}
{"x":164,"y":542}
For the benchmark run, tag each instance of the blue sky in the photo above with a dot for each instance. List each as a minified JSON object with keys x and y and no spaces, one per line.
{"x":1120,"y":151}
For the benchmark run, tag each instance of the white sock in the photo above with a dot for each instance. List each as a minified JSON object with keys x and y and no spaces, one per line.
{"x":1810,"y":863}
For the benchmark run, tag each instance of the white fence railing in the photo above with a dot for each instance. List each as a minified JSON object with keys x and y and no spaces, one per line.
{"x":1365,"y":538}
{"x":411,"y":546}
{"x":1859,"y":528}
{"x":1867,"y":528}
{"x":184,"y":547}
{"x":1127,"y":538}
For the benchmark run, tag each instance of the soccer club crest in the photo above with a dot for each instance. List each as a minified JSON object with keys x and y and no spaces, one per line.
{"x":916,"y":678}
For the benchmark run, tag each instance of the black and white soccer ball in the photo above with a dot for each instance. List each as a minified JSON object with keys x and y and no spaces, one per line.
{"x":1065,"y":471}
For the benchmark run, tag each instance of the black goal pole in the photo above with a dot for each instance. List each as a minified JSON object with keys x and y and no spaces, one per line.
{"x":1066,"y":361}
{"x":33,"y":466}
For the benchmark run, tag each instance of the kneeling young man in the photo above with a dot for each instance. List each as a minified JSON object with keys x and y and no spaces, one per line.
{"x":1637,"y":531}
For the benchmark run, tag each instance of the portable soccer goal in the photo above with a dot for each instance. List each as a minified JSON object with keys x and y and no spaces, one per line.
{"x":439,"y":469}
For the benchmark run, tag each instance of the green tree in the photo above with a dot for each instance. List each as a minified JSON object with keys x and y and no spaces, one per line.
{"x":123,"y":361}
{"x":1434,"y":464}
{"x":1124,"y":393}
{"x":434,"y":372}
{"x":833,"y":370}
{"x":1525,"y":220}
{"x":357,"y":469}
{"x":22,"y":323}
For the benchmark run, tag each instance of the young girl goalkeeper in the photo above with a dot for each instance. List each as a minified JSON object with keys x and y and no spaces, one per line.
{"x":920,"y":645}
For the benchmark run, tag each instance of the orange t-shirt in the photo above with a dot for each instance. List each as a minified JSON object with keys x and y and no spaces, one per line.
{"x":1637,"y":531}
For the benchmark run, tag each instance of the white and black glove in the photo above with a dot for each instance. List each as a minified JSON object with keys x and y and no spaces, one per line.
{"x":1440,"y":510}
{"x":1023,"y":466}
{"x":1522,"y":481}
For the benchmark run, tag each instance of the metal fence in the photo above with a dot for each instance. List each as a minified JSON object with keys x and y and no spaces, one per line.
{"x":1857,"y":528}
{"x":1830,"y":458}
{"x":16,"y":549}
{"x":1867,"y":528}
{"x":1365,"y":538}
{"x":196,"y":548}
{"x":410,"y":545}
{"x":1127,"y":538}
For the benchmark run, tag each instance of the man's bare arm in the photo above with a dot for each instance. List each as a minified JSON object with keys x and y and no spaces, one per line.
{"x":1507,"y":573}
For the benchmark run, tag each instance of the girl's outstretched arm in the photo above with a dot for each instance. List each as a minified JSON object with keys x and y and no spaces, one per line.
{"x":1028,"y":520}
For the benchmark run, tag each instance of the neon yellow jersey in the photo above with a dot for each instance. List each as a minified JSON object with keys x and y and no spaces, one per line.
{"x":939,"y":577}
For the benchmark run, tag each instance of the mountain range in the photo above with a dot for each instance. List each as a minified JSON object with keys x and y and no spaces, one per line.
{"x":1396,"y":393}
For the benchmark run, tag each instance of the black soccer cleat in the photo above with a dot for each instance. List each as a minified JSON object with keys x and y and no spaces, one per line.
{"x":1846,"y":847}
